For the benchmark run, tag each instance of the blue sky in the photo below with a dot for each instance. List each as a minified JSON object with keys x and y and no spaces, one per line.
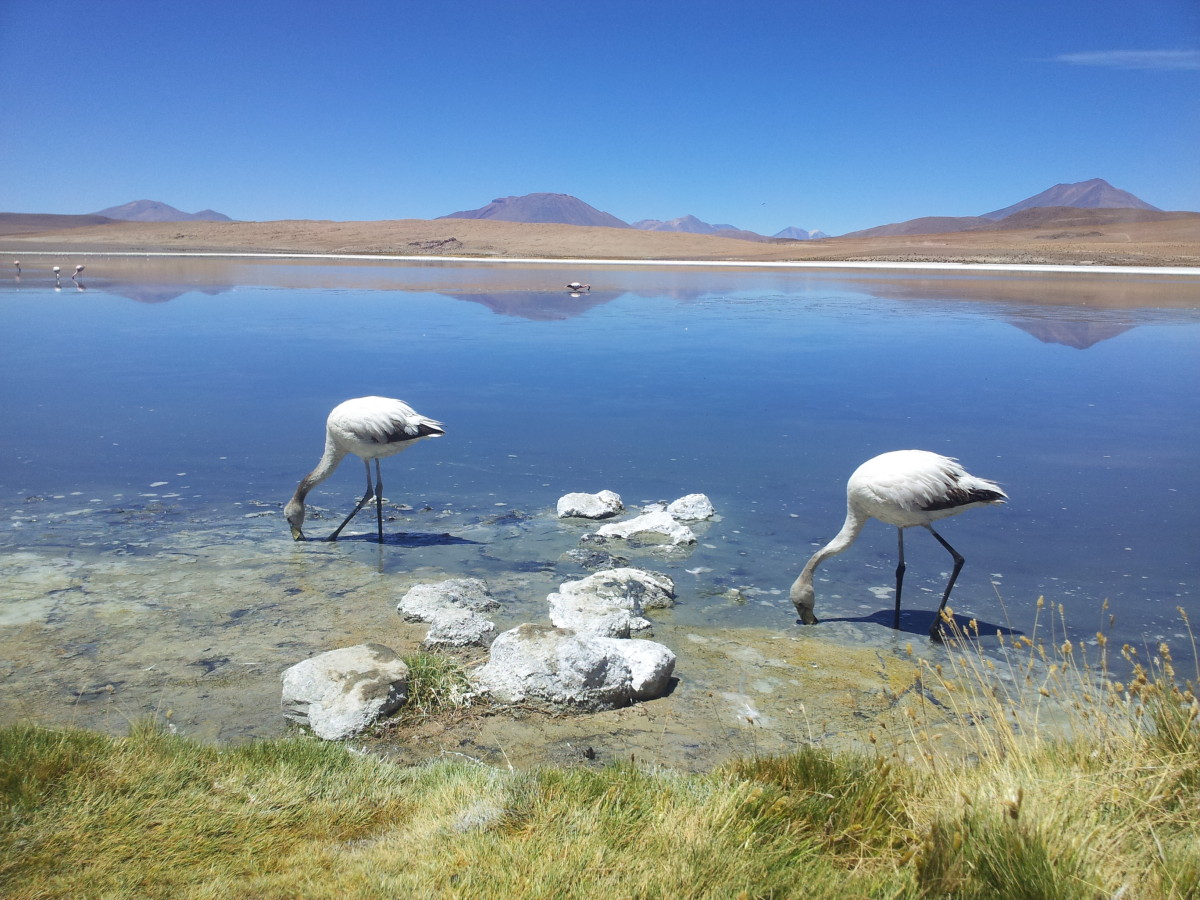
{"x":836,"y":116}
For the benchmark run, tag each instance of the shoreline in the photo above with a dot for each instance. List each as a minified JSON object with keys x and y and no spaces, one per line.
{"x":1039,"y":268}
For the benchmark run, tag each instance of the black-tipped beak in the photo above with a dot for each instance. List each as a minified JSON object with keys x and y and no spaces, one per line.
{"x":297,"y":534}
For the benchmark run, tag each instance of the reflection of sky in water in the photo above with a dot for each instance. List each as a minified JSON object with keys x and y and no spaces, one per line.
{"x":140,"y":421}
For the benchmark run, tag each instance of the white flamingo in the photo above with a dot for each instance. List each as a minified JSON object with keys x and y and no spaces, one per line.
{"x":904,"y":488}
{"x":370,"y":428}
{"x":577,"y":287}
{"x":17,"y":263}
{"x":78,"y":269}
{"x":57,"y":278}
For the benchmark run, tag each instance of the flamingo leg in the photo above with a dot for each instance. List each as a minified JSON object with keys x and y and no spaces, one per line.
{"x":899,"y":577}
{"x":361,"y":503}
{"x":379,"y":499}
{"x":935,"y":631}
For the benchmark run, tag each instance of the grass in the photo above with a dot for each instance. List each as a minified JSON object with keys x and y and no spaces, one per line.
{"x":1074,"y":786}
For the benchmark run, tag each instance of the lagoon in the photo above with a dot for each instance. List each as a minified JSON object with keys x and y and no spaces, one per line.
{"x":157,"y":418}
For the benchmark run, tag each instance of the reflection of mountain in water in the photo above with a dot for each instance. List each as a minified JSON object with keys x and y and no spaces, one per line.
{"x":540,"y":306}
{"x":160,"y":293}
{"x":1079,"y":335}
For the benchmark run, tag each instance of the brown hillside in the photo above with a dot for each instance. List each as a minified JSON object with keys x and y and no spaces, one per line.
{"x":30,"y":223}
{"x":1171,"y":239}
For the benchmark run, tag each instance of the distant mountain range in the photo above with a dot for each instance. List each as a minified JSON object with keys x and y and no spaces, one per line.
{"x":155,"y":211}
{"x":1093,"y":194}
{"x":563,"y":209}
{"x":1103,"y":203}
{"x":692,"y":225}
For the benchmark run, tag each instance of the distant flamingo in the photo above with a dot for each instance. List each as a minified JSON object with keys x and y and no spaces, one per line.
{"x":576,"y":286}
{"x":57,"y":278}
{"x":78,"y":269}
{"x":17,"y":263}
{"x":902,"y":488}
{"x":370,"y":428}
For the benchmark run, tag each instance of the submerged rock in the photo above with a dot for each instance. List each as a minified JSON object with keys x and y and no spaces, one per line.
{"x":589,"y":506}
{"x":423,"y":601}
{"x":340,"y":693}
{"x":656,"y":524}
{"x":564,"y":668}
{"x":594,"y":559}
{"x":691,"y":508}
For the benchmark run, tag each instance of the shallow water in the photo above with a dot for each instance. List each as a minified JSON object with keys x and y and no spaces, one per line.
{"x":157,"y":420}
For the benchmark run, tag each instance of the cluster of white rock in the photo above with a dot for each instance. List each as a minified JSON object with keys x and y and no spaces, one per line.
{"x":454,"y":609}
{"x":586,"y":658}
{"x":658,"y":520}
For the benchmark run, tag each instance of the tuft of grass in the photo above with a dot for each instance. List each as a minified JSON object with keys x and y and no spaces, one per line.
{"x":979,"y":857}
{"x":851,"y":806}
{"x":436,"y":683}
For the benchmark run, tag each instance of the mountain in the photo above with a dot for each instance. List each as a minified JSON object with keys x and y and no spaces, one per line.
{"x":923,"y":225}
{"x":560,"y":209}
{"x":155,"y":211}
{"x":1048,"y":207}
{"x":1094,"y":194}
{"x":691,"y":225}
{"x":29,"y":223}
{"x":687,"y":224}
{"x":792,"y":233}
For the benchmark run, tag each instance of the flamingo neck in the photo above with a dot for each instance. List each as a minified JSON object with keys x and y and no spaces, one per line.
{"x":329,"y":461}
{"x":848,"y":535}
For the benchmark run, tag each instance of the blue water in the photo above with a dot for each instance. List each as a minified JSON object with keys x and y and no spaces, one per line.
{"x":162,"y":403}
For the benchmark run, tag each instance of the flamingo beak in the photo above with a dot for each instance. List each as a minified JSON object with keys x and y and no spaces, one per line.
{"x":297,"y":534}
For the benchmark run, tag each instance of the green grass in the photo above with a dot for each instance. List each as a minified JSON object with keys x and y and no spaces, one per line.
{"x":1077,"y":787}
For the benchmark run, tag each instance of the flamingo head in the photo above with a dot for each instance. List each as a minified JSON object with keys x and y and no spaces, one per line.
{"x":294,"y":513}
{"x":803,"y":597}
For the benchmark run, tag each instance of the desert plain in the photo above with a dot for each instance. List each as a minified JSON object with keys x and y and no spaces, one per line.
{"x":1056,"y":236}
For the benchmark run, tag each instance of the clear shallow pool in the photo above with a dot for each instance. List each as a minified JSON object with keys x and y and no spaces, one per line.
{"x":156,"y":421}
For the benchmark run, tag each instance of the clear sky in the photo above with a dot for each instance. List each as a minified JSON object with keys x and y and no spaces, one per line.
{"x":831,"y":115}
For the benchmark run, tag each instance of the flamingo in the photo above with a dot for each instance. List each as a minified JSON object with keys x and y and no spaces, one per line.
{"x":57,"y":279}
{"x":902,"y":488}
{"x":576,"y":286}
{"x":17,"y":263}
{"x":78,"y":269}
{"x":370,"y":428}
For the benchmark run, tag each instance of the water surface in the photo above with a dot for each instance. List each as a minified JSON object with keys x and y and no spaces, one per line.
{"x":157,"y":419}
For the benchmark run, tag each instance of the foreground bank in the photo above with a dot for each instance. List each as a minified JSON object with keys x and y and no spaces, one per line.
{"x":1109,"y":812}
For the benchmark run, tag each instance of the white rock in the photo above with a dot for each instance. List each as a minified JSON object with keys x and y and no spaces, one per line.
{"x":611,"y":603}
{"x":610,"y":618}
{"x":424,"y":602}
{"x":658,"y":523}
{"x":590,"y":506}
{"x":691,"y":508}
{"x":650,"y":666}
{"x":452,"y":607}
{"x":557,"y":666}
{"x":339,"y":693}
{"x":564,"y":668}
{"x":455,"y":627}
